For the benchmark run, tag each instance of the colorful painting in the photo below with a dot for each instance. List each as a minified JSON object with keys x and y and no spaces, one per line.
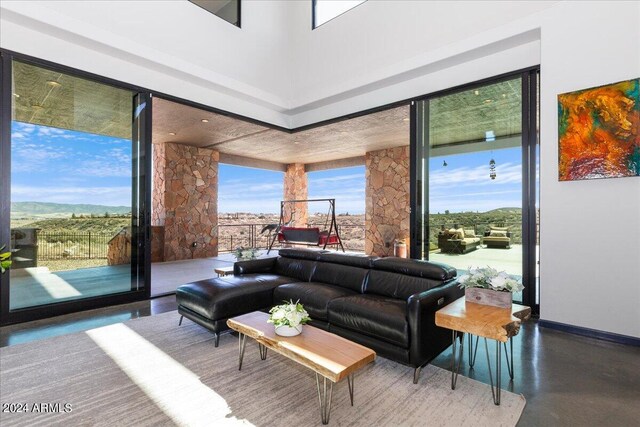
{"x":599,"y":132}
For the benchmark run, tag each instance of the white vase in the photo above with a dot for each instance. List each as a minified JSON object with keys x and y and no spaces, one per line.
{"x":288,"y":331}
{"x":488,"y":297}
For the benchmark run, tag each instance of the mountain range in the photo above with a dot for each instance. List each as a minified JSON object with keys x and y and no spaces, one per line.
{"x":40,"y":208}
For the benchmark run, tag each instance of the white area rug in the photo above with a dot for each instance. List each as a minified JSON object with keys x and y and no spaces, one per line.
{"x":150,"y":371}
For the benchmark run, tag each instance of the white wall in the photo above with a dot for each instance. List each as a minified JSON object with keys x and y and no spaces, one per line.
{"x":276,"y":69}
{"x":174,"y":47}
{"x":590,"y":271}
{"x":404,"y":43}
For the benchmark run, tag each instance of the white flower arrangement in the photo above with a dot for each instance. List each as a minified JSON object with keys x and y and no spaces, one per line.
{"x":490,"y":278}
{"x":246,"y":253}
{"x":290,"y":314}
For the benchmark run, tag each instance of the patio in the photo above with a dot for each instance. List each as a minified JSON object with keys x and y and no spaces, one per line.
{"x":509,"y":260}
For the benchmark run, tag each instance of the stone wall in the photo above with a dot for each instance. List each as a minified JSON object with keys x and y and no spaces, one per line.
{"x":119,"y":248}
{"x":387,"y":200}
{"x":191,"y":202}
{"x":295,"y":188}
{"x":158,"y":212}
{"x":157,"y":243}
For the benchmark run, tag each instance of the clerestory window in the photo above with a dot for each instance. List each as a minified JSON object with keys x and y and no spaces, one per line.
{"x":325,"y":10}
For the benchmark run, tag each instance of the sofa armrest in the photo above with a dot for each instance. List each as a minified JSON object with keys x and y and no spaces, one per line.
{"x":252,"y":266}
{"x":426,"y":339}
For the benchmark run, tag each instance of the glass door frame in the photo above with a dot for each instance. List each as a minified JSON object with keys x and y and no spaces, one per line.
{"x":530,"y":141}
{"x":142,"y":194}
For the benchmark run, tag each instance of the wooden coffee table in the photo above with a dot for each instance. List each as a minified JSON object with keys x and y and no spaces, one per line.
{"x":331,"y":357}
{"x":499,"y":324}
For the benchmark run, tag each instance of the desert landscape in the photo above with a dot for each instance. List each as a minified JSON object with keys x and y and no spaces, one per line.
{"x":76,"y":236}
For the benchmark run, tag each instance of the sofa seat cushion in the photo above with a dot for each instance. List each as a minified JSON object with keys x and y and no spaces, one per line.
{"x":373,"y":315}
{"x":470,"y":241}
{"x":314,"y":296}
{"x":230,"y":296}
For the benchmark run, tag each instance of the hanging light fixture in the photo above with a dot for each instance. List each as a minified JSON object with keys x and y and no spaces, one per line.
{"x":492,"y":169}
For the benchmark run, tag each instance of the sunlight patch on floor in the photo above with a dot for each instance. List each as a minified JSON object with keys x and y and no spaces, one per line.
{"x":176,"y":390}
{"x":54,"y":285}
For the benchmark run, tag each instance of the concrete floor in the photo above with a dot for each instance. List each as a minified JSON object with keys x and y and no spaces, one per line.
{"x":568,"y":380}
{"x":509,"y":260}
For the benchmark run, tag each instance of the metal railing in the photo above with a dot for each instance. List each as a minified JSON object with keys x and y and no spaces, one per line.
{"x":72,"y":245}
{"x":233,"y":236}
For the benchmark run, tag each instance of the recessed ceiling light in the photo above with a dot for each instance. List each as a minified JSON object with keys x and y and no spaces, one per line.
{"x":53,"y":83}
{"x":205,"y":120}
{"x":172,"y":133}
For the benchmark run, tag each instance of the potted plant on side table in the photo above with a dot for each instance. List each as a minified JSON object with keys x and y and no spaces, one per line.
{"x":489,"y":286}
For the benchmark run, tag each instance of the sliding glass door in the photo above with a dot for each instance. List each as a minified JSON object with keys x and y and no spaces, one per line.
{"x":475,"y":180}
{"x":76,"y":195}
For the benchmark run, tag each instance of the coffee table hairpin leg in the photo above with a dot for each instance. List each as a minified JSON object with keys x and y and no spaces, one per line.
{"x":324,"y":398}
{"x":242,"y":342}
{"x":263,"y":351}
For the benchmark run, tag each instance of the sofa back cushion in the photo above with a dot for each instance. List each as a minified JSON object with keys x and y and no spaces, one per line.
{"x":417,"y":268}
{"x":345,"y":276}
{"x":300,"y":269}
{"x":354,"y":260}
{"x":309,"y":254}
{"x":396,"y":285}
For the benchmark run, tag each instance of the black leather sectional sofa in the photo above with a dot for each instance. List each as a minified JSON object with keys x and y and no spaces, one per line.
{"x":387,"y":304}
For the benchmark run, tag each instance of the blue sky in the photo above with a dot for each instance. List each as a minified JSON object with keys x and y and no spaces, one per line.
{"x":260,"y":191}
{"x":464,"y":184}
{"x":62,"y":166}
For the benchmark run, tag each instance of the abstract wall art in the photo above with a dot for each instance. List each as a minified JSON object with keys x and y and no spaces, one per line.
{"x":599,"y":132}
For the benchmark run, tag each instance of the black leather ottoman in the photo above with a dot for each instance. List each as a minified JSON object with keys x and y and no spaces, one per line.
{"x":211,"y":302}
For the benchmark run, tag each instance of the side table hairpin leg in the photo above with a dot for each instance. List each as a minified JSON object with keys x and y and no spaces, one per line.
{"x":509,"y":356}
{"x":495,"y":393}
{"x":455,"y":369}
{"x":472,"y":351}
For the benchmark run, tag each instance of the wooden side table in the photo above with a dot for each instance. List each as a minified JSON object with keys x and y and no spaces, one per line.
{"x":499,"y":324}
{"x":223,"y":271}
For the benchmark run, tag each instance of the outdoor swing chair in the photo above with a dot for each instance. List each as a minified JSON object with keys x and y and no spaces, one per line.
{"x":308,"y":236}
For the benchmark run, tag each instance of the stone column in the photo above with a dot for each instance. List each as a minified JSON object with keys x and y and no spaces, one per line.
{"x":387,"y":200}
{"x":295,"y":188}
{"x":191,"y":202}
{"x":158,"y":212}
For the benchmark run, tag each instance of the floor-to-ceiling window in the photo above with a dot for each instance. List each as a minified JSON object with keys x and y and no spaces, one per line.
{"x":475,"y":198}
{"x":74,"y":162}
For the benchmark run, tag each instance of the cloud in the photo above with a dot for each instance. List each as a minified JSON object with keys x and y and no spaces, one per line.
{"x":111,"y":196}
{"x":23,"y":127}
{"x":507,"y":173}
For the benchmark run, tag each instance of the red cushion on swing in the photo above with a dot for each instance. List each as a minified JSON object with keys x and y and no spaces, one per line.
{"x":328,"y":239}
